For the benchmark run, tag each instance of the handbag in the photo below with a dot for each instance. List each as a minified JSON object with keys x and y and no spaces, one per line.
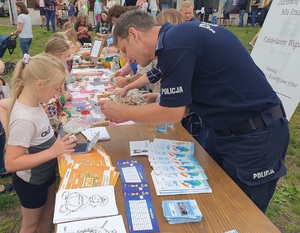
{"x":11,"y":44}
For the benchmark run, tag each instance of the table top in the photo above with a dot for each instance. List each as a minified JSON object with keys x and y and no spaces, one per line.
{"x":226,"y":208}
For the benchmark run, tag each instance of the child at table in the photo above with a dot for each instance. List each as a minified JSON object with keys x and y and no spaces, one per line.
{"x":59,"y":48}
{"x":71,"y":35}
{"x":32,"y":148}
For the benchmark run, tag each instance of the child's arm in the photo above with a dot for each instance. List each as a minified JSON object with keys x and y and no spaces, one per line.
{"x":16,"y":159}
{"x":5,"y":103}
{"x":3,"y":119}
{"x":142,"y":81}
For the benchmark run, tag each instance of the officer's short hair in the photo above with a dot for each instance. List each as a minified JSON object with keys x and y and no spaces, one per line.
{"x":140,"y":20}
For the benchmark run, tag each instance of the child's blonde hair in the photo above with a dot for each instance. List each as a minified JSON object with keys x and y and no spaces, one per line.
{"x":43,"y":67}
{"x":68,"y":25}
{"x":56,"y":46}
{"x":72,"y":35}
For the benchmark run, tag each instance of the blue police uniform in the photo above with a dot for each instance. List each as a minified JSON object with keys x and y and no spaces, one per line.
{"x":206,"y":68}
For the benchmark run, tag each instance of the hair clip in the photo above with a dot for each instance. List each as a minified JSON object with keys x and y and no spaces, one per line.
{"x":26,"y":58}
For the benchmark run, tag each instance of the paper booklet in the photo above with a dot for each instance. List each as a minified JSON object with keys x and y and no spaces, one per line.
{"x":131,"y":171}
{"x":161,"y":146}
{"x":181,"y":176}
{"x":181,"y":211}
{"x":175,"y":168}
{"x":86,"y":203}
{"x":92,"y":158}
{"x":173,"y":146}
{"x":168,"y":156}
{"x":96,"y":225}
{"x":81,"y":176}
{"x":140,"y":213}
{"x":180,"y":186}
{"x":139,"y":147}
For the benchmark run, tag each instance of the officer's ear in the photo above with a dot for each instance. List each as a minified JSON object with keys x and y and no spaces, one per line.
{"x":133,"y":33}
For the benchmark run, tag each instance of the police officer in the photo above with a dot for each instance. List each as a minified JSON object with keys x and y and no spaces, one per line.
{"x":206,"y":68}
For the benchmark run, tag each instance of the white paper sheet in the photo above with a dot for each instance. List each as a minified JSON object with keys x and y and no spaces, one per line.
{"x":85,"y":203}
{"x":109,"y":224}
{"x":90,"y":133}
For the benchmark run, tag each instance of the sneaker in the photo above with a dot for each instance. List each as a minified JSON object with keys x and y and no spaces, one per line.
{"x":41,"y":25}
{"x":7,"y":188}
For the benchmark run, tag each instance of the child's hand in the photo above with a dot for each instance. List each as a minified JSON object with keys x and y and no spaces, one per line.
{"x":121,"y":92}
{"x":150,"y":97}
{"x":63,"y":145}
{"x":68,"y":95}
{"x":120,"y":81}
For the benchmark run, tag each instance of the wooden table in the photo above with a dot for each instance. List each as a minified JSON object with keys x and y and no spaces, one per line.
{"x":226,"y":208}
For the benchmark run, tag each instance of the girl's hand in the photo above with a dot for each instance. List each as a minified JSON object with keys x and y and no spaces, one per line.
{"x":63,"y":145}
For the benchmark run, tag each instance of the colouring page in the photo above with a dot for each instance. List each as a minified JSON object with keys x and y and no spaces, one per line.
{"x":79,"y":204}
{"x":113,"y":224}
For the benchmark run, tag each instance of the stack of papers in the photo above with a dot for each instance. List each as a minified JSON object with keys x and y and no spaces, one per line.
{"x":181,"y":211}
{"x":90,"y":169}
{"x":86,"y":203}
{"x":175,"y":169}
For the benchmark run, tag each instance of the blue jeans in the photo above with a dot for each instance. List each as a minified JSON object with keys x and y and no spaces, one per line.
{"x":2,"y":145}
{"x":253,"y":18}
{"x":25,"y":44}
{"x":50,"y":15}
{"x":241,"y":17}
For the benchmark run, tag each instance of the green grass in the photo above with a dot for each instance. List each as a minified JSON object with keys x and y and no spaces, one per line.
{"x":284,"y":208}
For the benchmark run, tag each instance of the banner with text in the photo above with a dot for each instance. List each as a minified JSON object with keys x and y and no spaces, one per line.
{"x":277,"y":51}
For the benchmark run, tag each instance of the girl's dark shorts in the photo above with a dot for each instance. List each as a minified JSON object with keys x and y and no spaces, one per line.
{"x":32,"y":196}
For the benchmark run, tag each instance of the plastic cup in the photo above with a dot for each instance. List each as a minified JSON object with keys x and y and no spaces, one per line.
{"x":161,"y":128}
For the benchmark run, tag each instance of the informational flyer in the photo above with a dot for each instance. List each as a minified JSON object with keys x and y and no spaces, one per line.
{"x":277,"y":52}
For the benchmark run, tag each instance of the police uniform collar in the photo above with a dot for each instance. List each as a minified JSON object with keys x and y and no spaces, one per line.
{"x":163,"y":29}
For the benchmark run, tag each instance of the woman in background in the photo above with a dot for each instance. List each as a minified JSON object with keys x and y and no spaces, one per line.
{"x":24,"y":29}
{"x":83,"y":28}
{"x":103,"y":27}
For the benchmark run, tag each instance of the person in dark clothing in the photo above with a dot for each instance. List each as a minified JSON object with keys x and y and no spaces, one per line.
{"x":243,"y":5}
{"x":130,"y":2}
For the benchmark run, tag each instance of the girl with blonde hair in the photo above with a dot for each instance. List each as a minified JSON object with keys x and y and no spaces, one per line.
{"x":59,"y":48}
{"x":32,"y":148}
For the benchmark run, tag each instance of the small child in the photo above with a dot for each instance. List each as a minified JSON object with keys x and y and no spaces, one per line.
{"x":59,"y":48}
{"x":32,"y":148}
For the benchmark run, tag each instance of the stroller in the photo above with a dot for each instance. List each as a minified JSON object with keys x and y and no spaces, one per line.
{"x":10,"y":43}
{"x":7,"y":42}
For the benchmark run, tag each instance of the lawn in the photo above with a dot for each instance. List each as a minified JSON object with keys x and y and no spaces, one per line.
{"x":284,"y":209}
